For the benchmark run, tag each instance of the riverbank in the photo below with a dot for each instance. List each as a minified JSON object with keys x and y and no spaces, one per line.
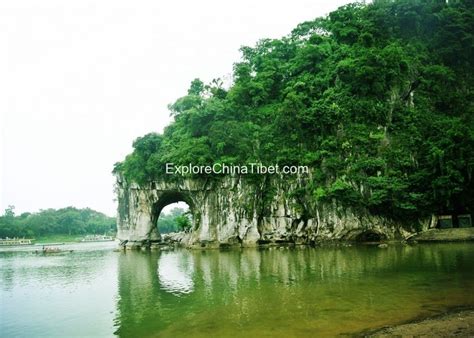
{"x":454,"y":323}
{"x":57,"y":239}
{"x":445,"y":235}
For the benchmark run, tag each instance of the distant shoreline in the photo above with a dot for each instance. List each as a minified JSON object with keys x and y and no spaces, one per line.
{"x":59,"y":239}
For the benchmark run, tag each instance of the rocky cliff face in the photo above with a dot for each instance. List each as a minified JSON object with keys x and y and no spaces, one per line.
{"x":246,"y":211}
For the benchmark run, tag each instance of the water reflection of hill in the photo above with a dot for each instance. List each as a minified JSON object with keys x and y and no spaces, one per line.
{"x":199,"y":292}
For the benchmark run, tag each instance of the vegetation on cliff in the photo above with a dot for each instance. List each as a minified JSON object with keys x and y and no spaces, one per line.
{"x":65,"y":221}
{"x":377,"y":99}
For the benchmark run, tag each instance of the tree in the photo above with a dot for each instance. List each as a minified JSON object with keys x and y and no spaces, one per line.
{"x":183,"y":222}
{"x":177,"y":219}
{"x":67,"y":221}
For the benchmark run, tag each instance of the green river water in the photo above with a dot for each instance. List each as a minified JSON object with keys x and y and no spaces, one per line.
{"x":94,"y":291}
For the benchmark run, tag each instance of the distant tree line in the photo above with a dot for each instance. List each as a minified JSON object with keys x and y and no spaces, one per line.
{"x":65,"y":221}
{"x":177,"y":219}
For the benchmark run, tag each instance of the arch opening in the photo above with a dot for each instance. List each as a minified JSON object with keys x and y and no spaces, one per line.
{"x":173,"y":212}
{"x":369,"y":237}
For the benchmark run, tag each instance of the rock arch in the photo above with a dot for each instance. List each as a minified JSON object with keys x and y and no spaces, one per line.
{"x":243,"y":210}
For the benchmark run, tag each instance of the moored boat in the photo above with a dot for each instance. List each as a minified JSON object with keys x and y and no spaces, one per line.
{"x":16,"y":241}
{"x":97,"y":238}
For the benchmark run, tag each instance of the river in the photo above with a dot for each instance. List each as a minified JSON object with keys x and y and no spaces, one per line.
{"x":94,"y":291}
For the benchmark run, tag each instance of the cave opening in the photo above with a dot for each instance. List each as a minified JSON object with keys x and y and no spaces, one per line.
{"x":369,"y":237}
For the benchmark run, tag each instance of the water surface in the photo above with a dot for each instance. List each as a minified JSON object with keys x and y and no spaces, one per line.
{"x":94,"y":291}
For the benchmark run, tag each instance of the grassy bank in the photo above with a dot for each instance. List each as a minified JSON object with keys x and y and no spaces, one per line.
{"x":57,"y":239}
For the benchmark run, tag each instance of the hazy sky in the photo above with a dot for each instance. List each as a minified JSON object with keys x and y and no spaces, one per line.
{"x":80,"y":80}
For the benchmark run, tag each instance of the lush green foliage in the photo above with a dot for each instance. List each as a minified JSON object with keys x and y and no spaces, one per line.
{"x":67,"y":221}
{"x":377,"y":99}
{"x":175,"y":220}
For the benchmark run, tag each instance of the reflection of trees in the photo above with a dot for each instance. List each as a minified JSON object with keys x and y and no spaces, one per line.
{"x":185,"y":292}
{"x":7,"y":271}
{"x":139,"y":296}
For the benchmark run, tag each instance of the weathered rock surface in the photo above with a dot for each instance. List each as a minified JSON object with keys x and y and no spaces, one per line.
{"x":240,"y":210}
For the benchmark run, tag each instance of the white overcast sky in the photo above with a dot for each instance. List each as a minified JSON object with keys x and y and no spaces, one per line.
{"x":80,"y":80}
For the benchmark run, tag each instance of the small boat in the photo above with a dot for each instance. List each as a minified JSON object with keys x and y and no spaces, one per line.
{"x":50,"y":250}
{"x":16,"y":241}
{"x":97,"y":238}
